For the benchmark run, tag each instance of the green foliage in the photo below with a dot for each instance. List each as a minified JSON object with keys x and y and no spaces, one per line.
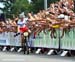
{"x":6,"y":9}
{"x":18,"y":6}
{"x":39,"y":4}
{"x":15,"y":7}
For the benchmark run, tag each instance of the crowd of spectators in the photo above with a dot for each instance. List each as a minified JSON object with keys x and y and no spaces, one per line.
{"x":58,"y":15}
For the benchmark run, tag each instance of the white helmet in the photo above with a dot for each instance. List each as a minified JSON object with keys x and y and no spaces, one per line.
{"x":61,"y":16}
{"x":22,"y":15}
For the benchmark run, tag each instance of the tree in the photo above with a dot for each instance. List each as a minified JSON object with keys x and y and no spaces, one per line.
{"x":15,"y":7}
{"x":7,"y":9}
{"x":20,"y":6}
{"x":39,"y":4}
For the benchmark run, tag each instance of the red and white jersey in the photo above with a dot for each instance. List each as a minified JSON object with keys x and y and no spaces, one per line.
{"x":22,"y":25}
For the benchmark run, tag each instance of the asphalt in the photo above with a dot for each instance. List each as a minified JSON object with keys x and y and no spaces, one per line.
{"x":20,"y":57}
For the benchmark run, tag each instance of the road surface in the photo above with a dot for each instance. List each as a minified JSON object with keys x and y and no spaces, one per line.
{"x":19,"y":57}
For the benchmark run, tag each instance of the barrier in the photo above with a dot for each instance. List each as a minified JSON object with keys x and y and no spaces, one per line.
{"x":68,"y":40}
{"x":41,"y":40}
{"x":44,"y":40}
{"x":8,"y":39}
